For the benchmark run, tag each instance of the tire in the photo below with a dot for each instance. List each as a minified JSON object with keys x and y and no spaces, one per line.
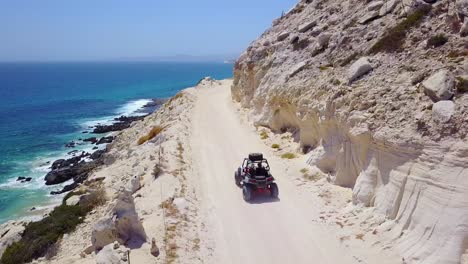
{"x":237,"y":178}
{"x":247,"y":192}
{"x":274,"y":192}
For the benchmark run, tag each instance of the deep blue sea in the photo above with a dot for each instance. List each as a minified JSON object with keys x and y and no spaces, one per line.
{"x":45,"y":105}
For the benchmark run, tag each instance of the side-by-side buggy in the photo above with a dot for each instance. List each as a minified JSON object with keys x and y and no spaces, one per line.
{"x":254,"y":176}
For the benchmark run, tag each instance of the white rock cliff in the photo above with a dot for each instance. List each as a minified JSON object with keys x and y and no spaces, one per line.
{"x":391,"y":124}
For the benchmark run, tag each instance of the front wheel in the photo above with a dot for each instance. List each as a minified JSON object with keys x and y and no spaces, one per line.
{"x":274,"y":192}
{"x":247,"y":192}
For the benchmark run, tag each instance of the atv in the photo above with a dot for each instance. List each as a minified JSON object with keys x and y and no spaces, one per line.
{"x":254,"y":175}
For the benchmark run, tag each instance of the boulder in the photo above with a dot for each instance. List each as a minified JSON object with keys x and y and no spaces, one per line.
{"x":375,"y":5}
{"x":112,"y":254}
{"x":181,"y":204}
{"x":387,"y":7}
{"x":282,"y":36}
{"x":306,"y":26}
{"x":440,"y":86}
{"x":369,"y":17}
{"x":411,"y":6}
{"x":359,"y":68}
{"x":323,"y":39}
{"x":462,"y":7}
{"x":442,"y":111}
{"x":121,"y":224}
{"x":74,"y":200}
{"x":134,"y":184}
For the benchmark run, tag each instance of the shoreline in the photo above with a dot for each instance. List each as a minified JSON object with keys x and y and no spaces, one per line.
{"x":40,"y":165}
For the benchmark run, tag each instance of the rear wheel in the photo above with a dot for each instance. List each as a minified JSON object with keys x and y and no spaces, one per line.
{"x":274,"y":192}
{"x":247,"y":192}
{"x":237,"y":178}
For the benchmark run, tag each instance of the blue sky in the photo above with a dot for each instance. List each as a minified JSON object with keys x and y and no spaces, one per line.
{"x":115,"y":29}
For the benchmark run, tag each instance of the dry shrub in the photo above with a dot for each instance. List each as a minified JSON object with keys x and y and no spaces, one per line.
{"x":393,"y":39}
{"x":151,"y":134}
{"x":288,"y":155}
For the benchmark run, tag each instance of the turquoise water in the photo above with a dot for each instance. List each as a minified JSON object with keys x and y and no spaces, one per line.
{"x":45,"y":105}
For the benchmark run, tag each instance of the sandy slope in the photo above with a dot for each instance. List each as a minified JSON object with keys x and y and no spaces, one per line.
{"x":264,"y":231}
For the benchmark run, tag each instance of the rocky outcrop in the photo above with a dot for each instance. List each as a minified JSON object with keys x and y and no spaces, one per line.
{"x":121,"y":224}
{"x":123,"y":122}
{"x":390,"y":124}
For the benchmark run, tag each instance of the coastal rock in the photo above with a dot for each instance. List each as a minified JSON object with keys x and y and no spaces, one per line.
{"x":440,"y":86}
{"x":73,"y":200}
{"x":93,"y":140}
{"x":121,"y":224}
{"x":76,"y":171}
{"x":155,"y":102}
{"x":359,"y":68}
{"x":105,"y":140}
{"x":101,"y":129}
{"x":97,"y":154}
{"x":154,"y":248}
{"x":70,"y":144}
{"x":442,"y":111}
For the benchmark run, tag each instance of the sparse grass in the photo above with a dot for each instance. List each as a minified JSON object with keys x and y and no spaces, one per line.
{"x":156,"y":171}
{"x":264,"y":134}
{"x":457,"y":53}
{"x":304,"y":170}
{"x":335,"y":81}
{"x":462,"y":84}
{"x":286,"y":137}
{"x":360,"y":236}
{"x":312,"y":177}
{"x":394,"y":38}
{"x":275,"y":146}
{"x":171,"y":209}
{"x":323,"y":67}
{"x":180,"y":154}
{"x":436,"y":41}
{"x":151,"y":134}
{"x":196,"y":244}
{"x":288,"y":155}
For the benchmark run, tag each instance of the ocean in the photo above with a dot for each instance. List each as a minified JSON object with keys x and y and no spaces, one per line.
{"x":43,"y":106}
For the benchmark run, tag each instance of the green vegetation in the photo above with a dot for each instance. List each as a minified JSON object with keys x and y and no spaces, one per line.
{"x":153,"y":132}
{"x":39,"y":237}
{"x":323,"y":67}
{"x":462,"y":85}
{"x":264,"y":134}
{"x":288,"y":155}
{"x":437,"y":41}
{"x":275,"y":146}
{"x":393,"y":39}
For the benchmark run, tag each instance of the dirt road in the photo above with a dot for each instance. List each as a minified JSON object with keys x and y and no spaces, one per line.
{"x":263,"y":231}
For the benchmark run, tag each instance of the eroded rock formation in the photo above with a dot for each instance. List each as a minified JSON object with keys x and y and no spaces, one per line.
{"x":388,"y":121}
